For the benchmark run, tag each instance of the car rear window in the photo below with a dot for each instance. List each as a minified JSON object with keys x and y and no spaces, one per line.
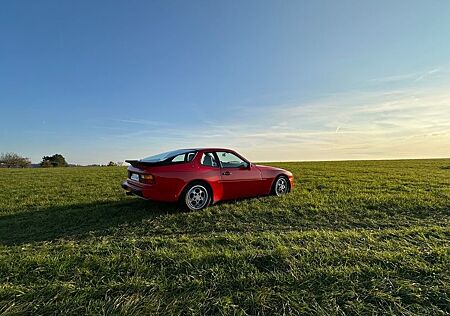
{"x":183,"y":157}
{"x":170,"y":155}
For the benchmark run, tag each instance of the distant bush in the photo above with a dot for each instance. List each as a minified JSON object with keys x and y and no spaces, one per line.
{"x":112,"y":164}
{"x":46,"y":164}
{"x":57,"y":160}
{"x":13,"y":160}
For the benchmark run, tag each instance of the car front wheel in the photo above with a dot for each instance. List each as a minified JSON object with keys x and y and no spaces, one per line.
{"x":196,"y":197}
{"x":281,"y":186}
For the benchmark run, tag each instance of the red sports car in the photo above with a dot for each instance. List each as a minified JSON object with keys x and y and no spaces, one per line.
{"x":198,"y":177}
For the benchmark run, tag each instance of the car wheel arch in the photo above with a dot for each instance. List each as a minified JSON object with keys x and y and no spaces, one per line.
{"x":272,"y":187}
{"x":197,"y":181}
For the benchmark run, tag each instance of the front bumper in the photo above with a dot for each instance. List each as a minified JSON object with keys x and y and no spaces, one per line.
{"x":291,"y":181}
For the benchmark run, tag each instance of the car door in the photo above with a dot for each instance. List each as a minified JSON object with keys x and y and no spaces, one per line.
{"x":239,"y":178}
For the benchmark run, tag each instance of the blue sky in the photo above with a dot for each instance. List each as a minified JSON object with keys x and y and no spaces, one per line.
{"x":276,"y":80}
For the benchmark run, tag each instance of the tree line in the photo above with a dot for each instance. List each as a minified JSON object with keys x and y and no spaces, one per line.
{"x":13,"y":160}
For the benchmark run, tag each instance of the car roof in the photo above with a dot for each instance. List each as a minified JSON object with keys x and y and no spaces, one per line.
{"x":210,"y":149}
{"x":169,"y":154}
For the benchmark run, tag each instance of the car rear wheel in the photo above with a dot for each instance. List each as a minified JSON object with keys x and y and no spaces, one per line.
{"x":281,"y":186}
{"x":196,"y":197}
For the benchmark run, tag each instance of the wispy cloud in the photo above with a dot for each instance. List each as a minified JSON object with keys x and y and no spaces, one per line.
{"x":384,"y":124}
{"x":412,"y":77}
{"x":406,"y":122}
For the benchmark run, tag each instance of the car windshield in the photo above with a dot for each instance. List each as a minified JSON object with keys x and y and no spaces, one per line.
{"x":167,"y":155}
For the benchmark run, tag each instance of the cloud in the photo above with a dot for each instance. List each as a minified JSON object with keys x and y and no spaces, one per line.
{"x":393,"y":124}
{"x":413,"y":76}
{"x":405,"y":123}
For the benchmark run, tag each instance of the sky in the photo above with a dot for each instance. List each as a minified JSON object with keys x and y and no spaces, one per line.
{"x":275,"y":80}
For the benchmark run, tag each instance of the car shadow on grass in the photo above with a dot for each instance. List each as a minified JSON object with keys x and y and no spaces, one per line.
{"x":77,"y":220}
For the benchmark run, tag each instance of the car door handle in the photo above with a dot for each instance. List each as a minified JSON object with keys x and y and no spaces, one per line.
{"x":226,"y":173}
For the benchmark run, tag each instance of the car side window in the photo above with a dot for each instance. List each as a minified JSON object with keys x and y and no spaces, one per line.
{"x":190,"y":156}
{"x":209,"y":160}
{"x":183,"y":157}
{"x":179,"y":158}
{"x":230,"y":160}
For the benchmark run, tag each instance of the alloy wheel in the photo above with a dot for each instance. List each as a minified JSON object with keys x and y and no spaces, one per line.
{"x":197,"y":197}
{"x":281,"y":186}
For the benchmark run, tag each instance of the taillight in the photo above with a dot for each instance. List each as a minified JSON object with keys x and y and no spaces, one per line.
{"x":147,"y":178}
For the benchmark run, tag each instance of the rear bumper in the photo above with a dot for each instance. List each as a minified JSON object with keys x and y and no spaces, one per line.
{"x":131,"y":191}
{"x":149,"y":192}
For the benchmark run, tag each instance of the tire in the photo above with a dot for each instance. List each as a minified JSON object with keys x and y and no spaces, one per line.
{"x":281,"y":186}
{"x":196,"y":196}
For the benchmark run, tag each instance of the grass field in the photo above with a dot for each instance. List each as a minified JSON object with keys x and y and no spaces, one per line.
{"x":360,"y":237}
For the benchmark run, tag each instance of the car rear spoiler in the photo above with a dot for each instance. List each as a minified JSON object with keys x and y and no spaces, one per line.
{"x":140,"y":163}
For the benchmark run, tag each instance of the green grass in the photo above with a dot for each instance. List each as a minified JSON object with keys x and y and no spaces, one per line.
{"x":360,"y":237}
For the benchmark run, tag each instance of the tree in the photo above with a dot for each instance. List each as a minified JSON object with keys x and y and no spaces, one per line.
{"x":57,"y":160}
{"x":46,"y":164}
{"x":13,"y":160}
{"x":112,"y":164}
